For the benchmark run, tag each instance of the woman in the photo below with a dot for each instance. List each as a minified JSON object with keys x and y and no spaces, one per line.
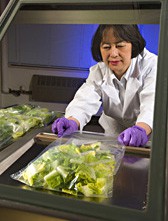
{"x":122,"y":82}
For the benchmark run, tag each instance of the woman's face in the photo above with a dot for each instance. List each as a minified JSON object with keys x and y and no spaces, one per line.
{"x":115,"y":53}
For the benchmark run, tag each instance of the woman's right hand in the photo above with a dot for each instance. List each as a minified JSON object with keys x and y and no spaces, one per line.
{"x":63,"y":126}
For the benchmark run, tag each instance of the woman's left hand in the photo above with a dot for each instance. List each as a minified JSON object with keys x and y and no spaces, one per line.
{"x":133,"y":136}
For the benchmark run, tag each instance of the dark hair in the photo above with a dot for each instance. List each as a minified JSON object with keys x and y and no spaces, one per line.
{"x":128,"y":33}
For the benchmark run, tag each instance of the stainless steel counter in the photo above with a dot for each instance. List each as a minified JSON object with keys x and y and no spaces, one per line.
{"x":130,"y":183}
{"x":129,"y":190}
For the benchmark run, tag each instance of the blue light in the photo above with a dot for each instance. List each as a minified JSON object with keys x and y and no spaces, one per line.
{"x":151,"y":34}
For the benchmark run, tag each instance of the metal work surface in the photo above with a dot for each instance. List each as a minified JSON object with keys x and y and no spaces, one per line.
{"x":132,"y":174}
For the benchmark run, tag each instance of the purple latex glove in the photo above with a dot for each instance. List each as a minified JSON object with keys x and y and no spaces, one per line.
{"x":63,"y":126}
{"x":133,"y":136}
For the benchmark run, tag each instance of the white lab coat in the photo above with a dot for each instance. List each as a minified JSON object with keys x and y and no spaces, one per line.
{"x":123,"y":102}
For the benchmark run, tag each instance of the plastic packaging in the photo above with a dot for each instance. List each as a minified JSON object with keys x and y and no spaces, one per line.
{"x":15,"y":121}
{"x":83,"y":164}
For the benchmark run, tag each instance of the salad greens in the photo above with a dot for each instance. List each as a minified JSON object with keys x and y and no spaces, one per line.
{"x":15,"y":121}
{"x":78,"y":170}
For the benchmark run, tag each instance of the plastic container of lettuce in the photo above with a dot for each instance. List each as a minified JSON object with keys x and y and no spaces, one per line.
{"x":83,"y":164}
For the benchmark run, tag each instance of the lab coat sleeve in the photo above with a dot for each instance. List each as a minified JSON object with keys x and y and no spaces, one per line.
{"x":87,"y":100}
{"x":147,"y":95}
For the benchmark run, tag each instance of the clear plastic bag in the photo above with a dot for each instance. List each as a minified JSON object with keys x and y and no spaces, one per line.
{"x":83,"y":164}
{"x":15,"y":121}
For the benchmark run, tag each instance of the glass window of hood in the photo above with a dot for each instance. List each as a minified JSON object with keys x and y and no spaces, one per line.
{"x":42,"y":33}
{"x":65,"y":46}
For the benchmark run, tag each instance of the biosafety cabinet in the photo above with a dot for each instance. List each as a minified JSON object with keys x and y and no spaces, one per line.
{"x":45,"y":57}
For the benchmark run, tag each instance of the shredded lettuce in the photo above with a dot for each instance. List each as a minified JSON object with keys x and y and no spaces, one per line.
{"x":15,"y":121}
{"x":77,"y":170}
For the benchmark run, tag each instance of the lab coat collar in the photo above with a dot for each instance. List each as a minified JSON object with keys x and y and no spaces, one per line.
{"x":133,"y":84}
{"x":131,"y":72}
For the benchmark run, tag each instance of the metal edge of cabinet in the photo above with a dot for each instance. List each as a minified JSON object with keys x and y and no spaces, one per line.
{"x":7,"y":16}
